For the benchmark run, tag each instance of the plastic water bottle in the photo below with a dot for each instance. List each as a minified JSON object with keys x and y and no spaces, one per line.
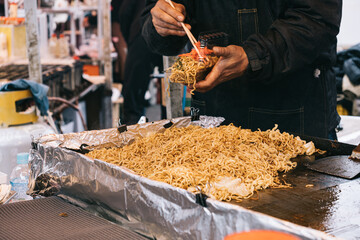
{"x":19,"y":177}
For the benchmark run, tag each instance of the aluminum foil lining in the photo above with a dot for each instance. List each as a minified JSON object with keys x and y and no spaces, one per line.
{"x":154,"y":209}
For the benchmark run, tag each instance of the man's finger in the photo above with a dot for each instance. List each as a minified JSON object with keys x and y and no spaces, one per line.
{"x":178,"y":13}
{"x":159,"y":15}
{"x":161,"y":24}
{"x":180,"y":8}
{"x":168,"y":32}
{"x":221,"y":51}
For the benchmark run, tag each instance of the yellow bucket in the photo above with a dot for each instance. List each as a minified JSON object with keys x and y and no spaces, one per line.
{"x":17,"y":108}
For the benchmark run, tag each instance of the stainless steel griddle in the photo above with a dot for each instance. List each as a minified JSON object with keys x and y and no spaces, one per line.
{"x":316,"y":200}
{"x":54,"y":218}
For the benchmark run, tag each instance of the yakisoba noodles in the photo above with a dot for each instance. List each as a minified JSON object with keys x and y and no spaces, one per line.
{"x":227,"y":163}
{"x":189,"y":69}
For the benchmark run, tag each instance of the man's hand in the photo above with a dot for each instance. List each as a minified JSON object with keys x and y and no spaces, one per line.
{"x":232,"y":64}
{"x":166,"y":19}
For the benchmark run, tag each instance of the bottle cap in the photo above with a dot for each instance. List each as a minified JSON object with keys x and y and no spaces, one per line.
{"x":22,"y":158}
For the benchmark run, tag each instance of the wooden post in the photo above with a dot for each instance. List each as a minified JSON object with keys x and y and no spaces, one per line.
{"x":32,"y":40}
{"x":106,"y":27}
{"x":173,"y":92}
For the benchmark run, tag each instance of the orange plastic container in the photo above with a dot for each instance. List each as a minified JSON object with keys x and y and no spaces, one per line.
{"x":92,"y":70}
{"x":261,"y":235}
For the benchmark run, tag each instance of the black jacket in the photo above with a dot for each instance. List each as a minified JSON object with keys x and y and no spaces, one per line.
{"x":286,"y":41}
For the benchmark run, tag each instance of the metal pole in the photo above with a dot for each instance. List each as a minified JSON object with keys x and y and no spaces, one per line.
{"x":107,"y":45}
{"x":43,"y":34}
{"x":173,"y":92}
{"x":82,"y":29}
{"x":72,"y":29}
{"x":100,"y":23}
{"x":6,"y":8}
{"x":32,"y":41}
{"x":107,"y":104}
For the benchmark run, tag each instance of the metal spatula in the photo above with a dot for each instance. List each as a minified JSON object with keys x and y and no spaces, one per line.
{"x":340,"y":166}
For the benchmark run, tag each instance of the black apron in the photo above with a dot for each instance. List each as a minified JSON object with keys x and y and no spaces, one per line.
{"x":303,"y":102}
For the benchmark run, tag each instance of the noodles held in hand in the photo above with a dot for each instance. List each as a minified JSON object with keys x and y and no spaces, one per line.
{"x":189,"y":69}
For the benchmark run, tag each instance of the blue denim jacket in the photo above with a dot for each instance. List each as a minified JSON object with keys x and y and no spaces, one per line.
{"x":291,"y":46}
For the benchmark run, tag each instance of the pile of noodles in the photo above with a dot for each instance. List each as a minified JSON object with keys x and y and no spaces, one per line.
{"x":227,"y":163}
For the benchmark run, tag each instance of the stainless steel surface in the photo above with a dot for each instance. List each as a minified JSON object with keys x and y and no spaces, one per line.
{"x":54,"y":218}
